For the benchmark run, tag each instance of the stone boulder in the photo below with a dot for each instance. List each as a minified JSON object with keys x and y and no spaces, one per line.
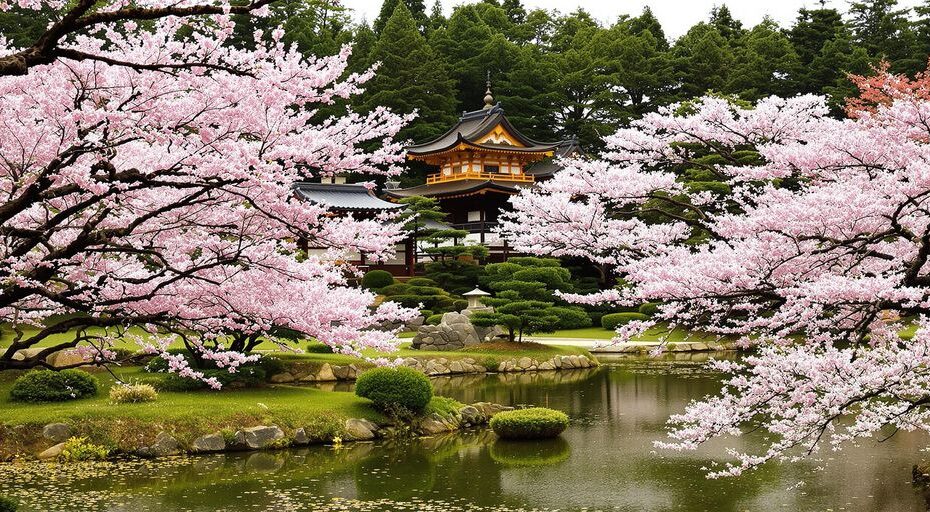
{"x":359,"y":429}
{"x":163,"y":446}
{"x":454,"y":332}
{"x":52,"y":453}
{"x":209,"y":443}
{"x":256,"y":438}
{"x":56,"y":432}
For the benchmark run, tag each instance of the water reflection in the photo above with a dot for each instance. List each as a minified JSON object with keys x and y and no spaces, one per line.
{"x":604,"y":461}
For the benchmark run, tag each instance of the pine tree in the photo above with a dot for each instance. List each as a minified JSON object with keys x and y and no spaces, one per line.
{"x":417,"y":9}
{"x":702,"y":57}
{"x":884,"y":31}
{"x":722,"y":19}
{"x":764,"y":64}
{"x":647,"y":21}
{"x":411,"y":78}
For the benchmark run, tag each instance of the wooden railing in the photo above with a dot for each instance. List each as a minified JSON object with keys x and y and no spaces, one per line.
{"x":476,"y":175}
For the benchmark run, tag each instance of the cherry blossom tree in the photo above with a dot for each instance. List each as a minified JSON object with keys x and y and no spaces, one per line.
{"x":151,"y":186}
{"x":814,"y":255}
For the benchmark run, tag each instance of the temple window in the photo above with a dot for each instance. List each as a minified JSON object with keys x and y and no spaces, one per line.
{"x":493,"y":169}
{"x":474,"y":216}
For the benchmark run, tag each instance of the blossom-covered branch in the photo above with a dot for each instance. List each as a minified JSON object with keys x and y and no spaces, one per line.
{"x":803,"y":235}
{"x":130,"y":195}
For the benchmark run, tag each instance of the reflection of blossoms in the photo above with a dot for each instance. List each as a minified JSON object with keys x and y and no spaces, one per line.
{"x":824,"y":231}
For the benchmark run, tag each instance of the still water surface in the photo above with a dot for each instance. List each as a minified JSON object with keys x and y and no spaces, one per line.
{"x":605,"y":461}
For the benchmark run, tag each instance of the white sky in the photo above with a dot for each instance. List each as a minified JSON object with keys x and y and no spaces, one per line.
{"x":676,"y":15}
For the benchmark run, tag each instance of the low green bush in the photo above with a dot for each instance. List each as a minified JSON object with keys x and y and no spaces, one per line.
{"x":426,"y":313}
{"x":425,"y":290}
{"x":8,"y":505}
{"x":459,"y":304}
{"x":395,"y":289}
{"x":79,"y":449}
{"x":395,"y":389}
{"x":434,"y":319}
{"x":649,"y":308}
{"x":443,"y":406}
{"x":315,"y":347}
{"x":133,"y":393}
{"x":377,"y":279}
{"x":532,"y":423}
{"x":570,"y":318}
{"x":52,"y":386}
{"x":612,"y":320}
{"x":421,"y":281}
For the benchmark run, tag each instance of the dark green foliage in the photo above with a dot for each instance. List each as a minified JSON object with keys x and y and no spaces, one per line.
{"x":570,"y":317}
{"x":395,"y":289}
{"x":649,"y":308}
{"x":8,"y":504}
{"x":532,"y":423}
{"x":524,"y":297}
{"x":421,"y":281}
{"x":434,"y":319}
{"x":53,"y":386}
{"x":613,"y":320}
{"x":412,"y":77}
{"x":456,"y":277}
{"x":377,"y":279}
{"x":395,"y":389}
{"x":315,"y":347}
{"x":426,"y":312}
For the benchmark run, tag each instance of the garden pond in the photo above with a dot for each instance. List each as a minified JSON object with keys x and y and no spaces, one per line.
{"x":604,"y":461}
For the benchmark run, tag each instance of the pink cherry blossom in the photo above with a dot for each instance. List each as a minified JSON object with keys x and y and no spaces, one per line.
{"x":159,"y":194}
{"x":821,"y":244}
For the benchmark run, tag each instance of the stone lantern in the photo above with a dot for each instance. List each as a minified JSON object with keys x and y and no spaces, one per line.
{"x":474,"y":298}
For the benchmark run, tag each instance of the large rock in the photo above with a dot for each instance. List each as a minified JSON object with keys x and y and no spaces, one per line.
{"x":56,"y":432}
{"x":209,"y":443}
{"x":53,"y":452}
{"x":163,"y":446}
{"x":454,"y":332}
{"x":256,"y":438}
{"x":66,"y":358}
{"x":359,"y":429}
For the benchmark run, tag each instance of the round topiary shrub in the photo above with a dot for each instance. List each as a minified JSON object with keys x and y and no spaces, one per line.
{"x":8,"y":505}
{"x":395,"y":289}
{"x":532,"y":423}
{"x":649,"y":308}
{"x":612,"y":320}
{"x":377,"y":279}
{"x":52,"y":386}
{"x":395,"y":389}
{"x":434,"y":319}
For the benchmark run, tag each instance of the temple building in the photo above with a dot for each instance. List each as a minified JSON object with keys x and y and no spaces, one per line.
{"x":480,"y":163}
{"x":355,"y":199}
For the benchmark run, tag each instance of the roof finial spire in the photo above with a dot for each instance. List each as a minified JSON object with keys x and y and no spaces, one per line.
{"x":488,"y":98}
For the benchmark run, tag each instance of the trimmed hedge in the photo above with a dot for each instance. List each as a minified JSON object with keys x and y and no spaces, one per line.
{"x":434,"y":319}
{"x":649,"y":308}
{"x":377,"y":279}
{"x":532,"y":423}
{"x":52,"y":386}
{"x":421,"y":281}
{"x":612,"y":320}
{"x":395,"y":389}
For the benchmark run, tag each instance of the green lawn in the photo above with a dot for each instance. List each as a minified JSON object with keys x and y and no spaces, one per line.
{"x":656,"y":333}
